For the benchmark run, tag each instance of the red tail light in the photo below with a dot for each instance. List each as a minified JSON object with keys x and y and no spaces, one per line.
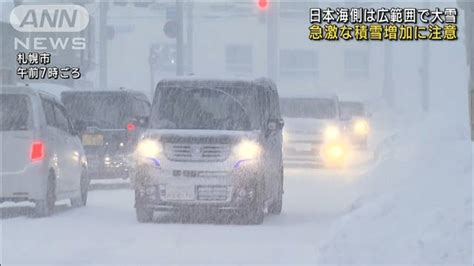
{"x":131,"y":127}
{"x":37,"y":151}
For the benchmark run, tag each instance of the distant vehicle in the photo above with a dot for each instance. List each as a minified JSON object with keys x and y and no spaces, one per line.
{"x":42,"y":159}
{"x":212,"y":144}
{"x":313,"y":133}
{"x":109,"y":124}
{"x":356,"y":122}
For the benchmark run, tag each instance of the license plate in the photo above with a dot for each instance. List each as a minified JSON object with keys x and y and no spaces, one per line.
{"x":93,"y":140}
{"x":180,"y":192}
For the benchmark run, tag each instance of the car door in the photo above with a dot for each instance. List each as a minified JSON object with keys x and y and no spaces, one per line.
{"x":56,"y":145}
{"x":72,"y":152}
{"x":275,"y":140}
{"x":269,"y":140}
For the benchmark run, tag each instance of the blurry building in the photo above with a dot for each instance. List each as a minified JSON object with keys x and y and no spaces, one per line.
{"x":468,"y":8}
{"x":229,"y":39}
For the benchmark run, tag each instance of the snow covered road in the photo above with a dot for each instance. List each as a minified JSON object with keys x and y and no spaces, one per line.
{"x":106,"y":231}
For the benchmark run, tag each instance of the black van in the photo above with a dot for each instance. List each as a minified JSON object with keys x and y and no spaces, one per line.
{"x":212,"y":144}
{"x":109,"y":124}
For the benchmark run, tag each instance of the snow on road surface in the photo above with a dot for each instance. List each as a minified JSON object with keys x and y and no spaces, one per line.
{"x":106,"y":231}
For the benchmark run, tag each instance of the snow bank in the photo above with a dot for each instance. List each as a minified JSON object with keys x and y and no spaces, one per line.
{"x":416,"y":205}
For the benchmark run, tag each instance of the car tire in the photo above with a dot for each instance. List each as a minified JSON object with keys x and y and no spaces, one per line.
{"x":144,"y":215}
{"x":255,"y":212}
{"x":81,"y":201}
{"x":277,"y":206}
{"x":45,"y":207}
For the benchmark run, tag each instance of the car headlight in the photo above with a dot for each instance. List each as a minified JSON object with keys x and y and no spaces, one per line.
{"x":148,"y":148}
{"x":334,"y":153}
{"x":361,"y":127}
{"x":247,"y":150}
{"x":332,"y":133}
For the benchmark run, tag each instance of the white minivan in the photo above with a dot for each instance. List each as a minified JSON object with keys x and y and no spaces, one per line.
{"x":42,"y":158}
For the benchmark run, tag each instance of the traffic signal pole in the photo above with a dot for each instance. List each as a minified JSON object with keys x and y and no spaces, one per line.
{"x":272,"y":40}
{"x":179,"y":39}
{"x":103,"y":9}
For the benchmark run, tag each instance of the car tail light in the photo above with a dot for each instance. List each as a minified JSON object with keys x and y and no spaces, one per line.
{"x":131,"y":127}
{"x":37,"y":151}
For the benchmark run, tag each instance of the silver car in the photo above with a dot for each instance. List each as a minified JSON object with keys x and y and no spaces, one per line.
{"x":212,"y":144}
{"x":42,"y":159}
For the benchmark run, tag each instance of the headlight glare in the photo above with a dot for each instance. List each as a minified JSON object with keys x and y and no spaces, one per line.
{"x":247,"y":149}
{"x":361,"y":127}
{"x":148,"y":148}
{"x":332,"y":133}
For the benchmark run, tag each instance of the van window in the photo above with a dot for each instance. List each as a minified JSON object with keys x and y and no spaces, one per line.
{"x":61,"y":120}
{"x":108,"y":110}
{"x":205,"y":108}
{"x":317,"y":108}
{"x":49,"y":112}
{"x":14,"y":112}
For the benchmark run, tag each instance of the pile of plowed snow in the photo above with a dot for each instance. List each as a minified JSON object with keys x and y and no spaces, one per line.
{"x":416,"y":205}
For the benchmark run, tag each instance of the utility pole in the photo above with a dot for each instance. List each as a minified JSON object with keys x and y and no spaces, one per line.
{"x":189,"y":37}
{"x":273,"y":14}
{"x":103,"y":9}
{"x":179,"y":39}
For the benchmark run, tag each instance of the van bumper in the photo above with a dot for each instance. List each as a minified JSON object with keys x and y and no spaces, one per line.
{"x":233,"y":190}
{"x":28,"y":184}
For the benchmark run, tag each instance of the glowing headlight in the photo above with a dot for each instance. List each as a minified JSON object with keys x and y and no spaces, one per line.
{"x":148,"y":148}
{"x":285,"y":136}
{"x":248,"y":149}
{"x":335,"y":151}
{"x":334,"y":154}
{"x":361,"y":127}
{"x":332,"y":133}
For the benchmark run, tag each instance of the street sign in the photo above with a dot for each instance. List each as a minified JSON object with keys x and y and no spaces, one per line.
{"x":171,"y":13}
{"x":171,"y":29}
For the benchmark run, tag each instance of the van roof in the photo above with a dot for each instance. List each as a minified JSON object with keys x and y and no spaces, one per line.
{"x":24,"y":90}
{"x":314,"y":96}
{"x":192,"y":81}
{"x":133,"y":93}
{"x":121,"y":91}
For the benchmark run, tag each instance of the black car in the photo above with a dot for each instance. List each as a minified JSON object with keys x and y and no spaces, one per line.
{"x":109,"y":124}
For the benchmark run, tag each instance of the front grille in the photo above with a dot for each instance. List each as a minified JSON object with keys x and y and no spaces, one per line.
{"x":213,"y":193}
{"x":197,"y":152}
{"x":205,"y":174}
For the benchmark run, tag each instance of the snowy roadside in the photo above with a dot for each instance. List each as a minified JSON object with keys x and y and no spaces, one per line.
{"x":416,"y":205}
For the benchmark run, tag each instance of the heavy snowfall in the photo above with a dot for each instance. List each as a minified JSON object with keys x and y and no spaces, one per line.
{"x":404,"y":198}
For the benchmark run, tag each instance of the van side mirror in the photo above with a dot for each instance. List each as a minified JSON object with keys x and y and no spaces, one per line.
{"x":274,"y":125}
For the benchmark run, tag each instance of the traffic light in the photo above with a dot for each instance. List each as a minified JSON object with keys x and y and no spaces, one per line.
{"x":262,"y":4}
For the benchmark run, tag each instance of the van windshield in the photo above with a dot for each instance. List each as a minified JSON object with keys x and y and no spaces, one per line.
{"x":14,"y":112}
{"x":309,"y":108}
{"x":350,"y":109}
{"x":103,"y":110}
{"x":206,"y":108}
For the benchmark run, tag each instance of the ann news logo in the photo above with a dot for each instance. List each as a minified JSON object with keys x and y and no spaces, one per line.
{"x":49,"y":18}
{"x":53,"y":24}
